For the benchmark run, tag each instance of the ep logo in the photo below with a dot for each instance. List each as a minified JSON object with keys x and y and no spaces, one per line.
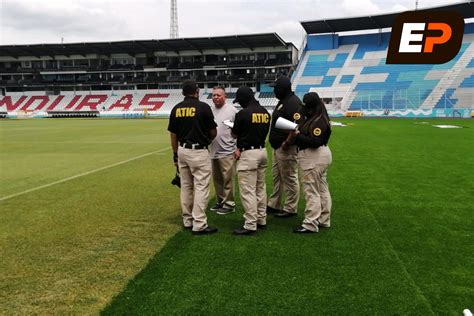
{"x":420,"y":37}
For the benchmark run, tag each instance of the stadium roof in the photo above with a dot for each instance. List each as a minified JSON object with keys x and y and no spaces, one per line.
{"x":465,"y":9}
{"x":147,"y":46}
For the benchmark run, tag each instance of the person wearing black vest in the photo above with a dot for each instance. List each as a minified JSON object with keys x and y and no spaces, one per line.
{"x":251,"y":128}
{"x":314,"y":158}
{"x":192,"y":128}
{"x":284,"y":164}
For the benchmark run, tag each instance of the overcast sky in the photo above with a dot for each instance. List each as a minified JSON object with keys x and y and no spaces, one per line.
{"x":47,"y":21}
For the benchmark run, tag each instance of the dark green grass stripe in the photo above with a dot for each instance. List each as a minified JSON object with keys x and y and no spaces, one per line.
{"x":382,"y":255}
{"x":403,"y":196}
{"x":338,"y":271}
{"x":415,"y":179}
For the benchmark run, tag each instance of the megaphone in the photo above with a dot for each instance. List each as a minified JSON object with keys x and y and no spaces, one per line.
{"x":285,"y":124}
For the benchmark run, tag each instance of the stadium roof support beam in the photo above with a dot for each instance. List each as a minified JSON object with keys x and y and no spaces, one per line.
{"x":11,"y":53}
{"x":144,"y":48}
{"x":30,"y":52}
{"x":221,"y":46}
{"x":375,"y":22}
{"x":147,"y":46}
{"x":280,"y":40}
{"x":239,"y":38}
{"x":329,"y":26}
{"x":169,"y":48}
{"x":96,"y":51}
{"x":48,"y":52}
{"x":192,"y":45}
{"x":124,"y":49}
{"x":86,"y":48}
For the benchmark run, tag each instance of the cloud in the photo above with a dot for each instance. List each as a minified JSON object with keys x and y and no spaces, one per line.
{"x":56,"y":19}
{"x":399,"y":8}
{"x":46,"y":21}
{"x":290,"y":31}
{"x":360,"y":8}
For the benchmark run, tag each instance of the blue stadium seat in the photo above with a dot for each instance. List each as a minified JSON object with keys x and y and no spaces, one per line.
{"x":356,"y":71}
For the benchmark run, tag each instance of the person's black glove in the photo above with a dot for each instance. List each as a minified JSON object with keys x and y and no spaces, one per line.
{"x":175,"y":158}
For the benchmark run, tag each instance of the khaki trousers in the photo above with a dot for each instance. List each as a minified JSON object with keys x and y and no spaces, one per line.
{"x":314,"y":163}
{"x":285,"y":179}
{"x":195,"y":171}
{"x":251,"y":170}
{"x":223,"y":172}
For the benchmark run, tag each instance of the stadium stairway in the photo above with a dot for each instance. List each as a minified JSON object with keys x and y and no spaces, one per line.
{"x":453,"y":77}
{"x":354,"y":76}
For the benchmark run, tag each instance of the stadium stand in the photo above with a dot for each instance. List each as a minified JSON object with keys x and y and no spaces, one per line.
{"x":103,"y":103}
{"x":119,"y":78}
{"x":154,"y":64}
{"x":135,"y":77}
{"x":357,"y":73}
{"x":350,"y":73}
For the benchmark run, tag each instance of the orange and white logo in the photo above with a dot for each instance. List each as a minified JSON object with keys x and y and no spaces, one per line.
{"x":421,"y":37}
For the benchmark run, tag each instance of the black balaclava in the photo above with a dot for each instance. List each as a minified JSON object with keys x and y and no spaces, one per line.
{"x":244,"y":96}
{"x":282,"y":87}
{"x":314,"y":106}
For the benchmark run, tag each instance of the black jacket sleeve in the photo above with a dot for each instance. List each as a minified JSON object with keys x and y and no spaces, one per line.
{"x":294,"y":110}
{"x":315,"y":136}
{"x":304,"y":141}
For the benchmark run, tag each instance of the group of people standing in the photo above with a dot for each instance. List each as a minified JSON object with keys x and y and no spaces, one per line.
{"x":218,"y":141}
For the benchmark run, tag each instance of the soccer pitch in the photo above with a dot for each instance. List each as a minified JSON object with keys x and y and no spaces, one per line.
{"x":90,"y":223}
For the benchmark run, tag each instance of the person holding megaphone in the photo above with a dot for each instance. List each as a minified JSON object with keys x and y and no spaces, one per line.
{"x":284,"y":158}
{"x":314,"y":157}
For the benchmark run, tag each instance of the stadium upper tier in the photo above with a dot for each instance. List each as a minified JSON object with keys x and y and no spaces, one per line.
{"x":351,"y":74}
{"x":228,"y":61}
{"x":250,"y":41}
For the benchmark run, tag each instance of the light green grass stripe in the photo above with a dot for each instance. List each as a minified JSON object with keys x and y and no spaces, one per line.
{"x":81,"y":174}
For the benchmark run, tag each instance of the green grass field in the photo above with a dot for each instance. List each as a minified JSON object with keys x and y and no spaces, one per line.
{"x":89,"y":223}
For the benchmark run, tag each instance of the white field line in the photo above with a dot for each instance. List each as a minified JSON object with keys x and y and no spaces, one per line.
{"x":81,"y":174}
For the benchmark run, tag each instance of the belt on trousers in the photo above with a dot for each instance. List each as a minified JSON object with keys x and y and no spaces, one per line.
{"x":192,"y":146}
{"x":251,"y":147}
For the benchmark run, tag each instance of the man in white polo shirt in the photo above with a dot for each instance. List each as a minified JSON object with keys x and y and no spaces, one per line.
{"x":222,"y":154}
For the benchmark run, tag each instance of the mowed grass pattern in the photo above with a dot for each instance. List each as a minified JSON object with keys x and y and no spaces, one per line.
{"x":401,"y":241}
{"x":70,"y":247}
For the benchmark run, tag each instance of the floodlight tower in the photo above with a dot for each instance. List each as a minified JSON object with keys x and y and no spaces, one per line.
{"x":174,"y":33}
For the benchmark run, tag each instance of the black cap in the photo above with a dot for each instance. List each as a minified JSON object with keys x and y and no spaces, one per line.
{"x":244,"y":95}
{"x":282,"y":82}
{"x":189,"y":87}
{"x":311,"y":99}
